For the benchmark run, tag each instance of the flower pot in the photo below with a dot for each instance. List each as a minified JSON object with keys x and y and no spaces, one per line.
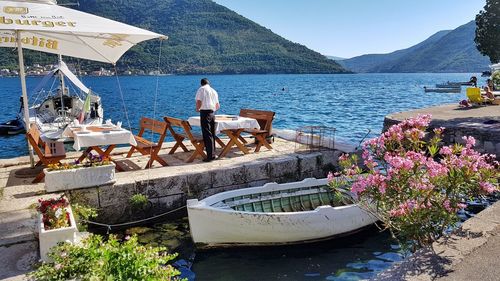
{"x":60,"y":180}
{"x":50,"y":238}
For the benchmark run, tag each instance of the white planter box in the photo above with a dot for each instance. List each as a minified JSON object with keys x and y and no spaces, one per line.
{"x":79,"y":178}
{"x":50,"y":238}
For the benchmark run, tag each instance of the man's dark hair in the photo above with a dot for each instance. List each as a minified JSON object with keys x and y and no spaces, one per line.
{"x":204,"y":81}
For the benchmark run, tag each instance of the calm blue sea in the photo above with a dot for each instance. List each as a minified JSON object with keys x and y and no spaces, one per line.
{"x":351,"y":103}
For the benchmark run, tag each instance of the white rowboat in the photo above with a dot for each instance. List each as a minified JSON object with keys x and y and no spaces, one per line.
{"x":273,"y":214}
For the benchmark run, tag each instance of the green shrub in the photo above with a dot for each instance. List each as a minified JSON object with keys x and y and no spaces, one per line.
{"x":138,"y":201}
{"x":83,"y":213}
{"x":95,"y":259}
{"x":496,"y":79}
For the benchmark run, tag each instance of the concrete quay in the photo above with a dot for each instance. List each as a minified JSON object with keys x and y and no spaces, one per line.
{"x":471,"y":252}
{"x":483,"y":123}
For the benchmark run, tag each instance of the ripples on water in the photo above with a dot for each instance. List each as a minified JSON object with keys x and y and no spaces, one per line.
{"x":351,"y":103}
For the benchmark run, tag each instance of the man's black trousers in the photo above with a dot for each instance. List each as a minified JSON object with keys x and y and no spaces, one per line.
{"x":208,"y":130}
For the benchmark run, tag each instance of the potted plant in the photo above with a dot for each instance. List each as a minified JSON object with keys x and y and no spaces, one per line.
{"x":93,"y":171}
{"x":56,"y":224}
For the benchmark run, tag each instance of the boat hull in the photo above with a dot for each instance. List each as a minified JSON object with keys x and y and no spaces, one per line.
{"x":216,"y":227}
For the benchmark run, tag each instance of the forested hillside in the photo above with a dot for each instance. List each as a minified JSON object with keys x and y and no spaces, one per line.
{"x":445,"y":51}
{"x":204,"y":37}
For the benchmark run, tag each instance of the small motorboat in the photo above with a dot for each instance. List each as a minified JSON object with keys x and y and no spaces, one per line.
{"x":442,"y":90}
{"x":448,"y":85}
{"x":274,"y":214}
{"x":12,"y":127}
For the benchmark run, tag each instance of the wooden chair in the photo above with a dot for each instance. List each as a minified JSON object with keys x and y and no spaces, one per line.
{"x":48,"y":153}
{"x":265,"y":119}
{"x":196,"y":140}
{"x":147,"y":147}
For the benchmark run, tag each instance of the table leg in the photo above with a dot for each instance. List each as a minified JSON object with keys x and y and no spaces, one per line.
{"x":220,"y":142}
{"x":233,"y":140}
{"x":85,"y":153}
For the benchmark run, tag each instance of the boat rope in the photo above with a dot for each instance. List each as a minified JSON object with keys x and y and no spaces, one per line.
{"x":363,"y":139}
{"x":120,"y":225}
{"x":123,"y":99}
{"x":155,"y":103}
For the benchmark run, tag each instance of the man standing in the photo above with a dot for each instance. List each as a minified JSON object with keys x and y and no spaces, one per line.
{"x":207,"y":102}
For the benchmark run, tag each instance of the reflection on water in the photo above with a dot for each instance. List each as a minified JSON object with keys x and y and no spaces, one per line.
{"x":359,"y":256}
{"x":355,"y":257}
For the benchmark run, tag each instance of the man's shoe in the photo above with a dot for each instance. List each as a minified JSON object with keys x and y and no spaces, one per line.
{"x":208,"y":159}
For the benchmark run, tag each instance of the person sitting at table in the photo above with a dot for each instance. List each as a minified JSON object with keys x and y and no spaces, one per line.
{"x":207,"y":102}
{"x":488,"y":90}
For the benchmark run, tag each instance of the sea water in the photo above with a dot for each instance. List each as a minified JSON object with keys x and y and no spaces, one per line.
{"x":354,"y":104}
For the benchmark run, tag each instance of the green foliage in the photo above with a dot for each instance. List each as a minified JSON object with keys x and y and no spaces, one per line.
{"x":83,"y":213}
{"x":96,"y":259}
{"x":488,"y":30}
{"x":496,"y":79}
{"x":445,"y":51}
{"x":204,"y":37}
{"x":138,"y":201}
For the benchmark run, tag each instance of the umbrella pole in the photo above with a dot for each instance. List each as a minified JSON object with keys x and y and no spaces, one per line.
{"x":63,"y":88}
{"x":22,"y":75}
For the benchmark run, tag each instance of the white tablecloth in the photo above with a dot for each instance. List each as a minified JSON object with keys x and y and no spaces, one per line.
{"x":238,"y":122}
{"x":88,"y":138}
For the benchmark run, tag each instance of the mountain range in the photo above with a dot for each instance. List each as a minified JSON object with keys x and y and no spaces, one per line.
{"x":204,"y":37}
{"x":445,"y":51}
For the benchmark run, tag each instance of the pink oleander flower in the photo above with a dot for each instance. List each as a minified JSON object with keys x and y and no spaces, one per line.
{"x":344,"y":157}
{"x":487,"y":187}
{"x":330,"y":177}
{"x":469,"y":141}
{"x":436,"y":169}
{"x":438,"y":131}
{"x":446,"y":150}
{"x":446,"y":205}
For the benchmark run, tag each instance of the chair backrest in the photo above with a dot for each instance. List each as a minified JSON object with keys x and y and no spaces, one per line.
{"x":474,"y":95}
{"x":35,"y":140}
{"x":155,"y":126}
{"x":41,"y":148}
{"x":265,"y":118}
{"x":176,"y":122}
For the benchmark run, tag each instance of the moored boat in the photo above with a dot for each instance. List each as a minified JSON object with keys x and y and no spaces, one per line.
{"x":274,"y":214}
{"x":448,"y":85}
{"x":54,"y":108}
{"x":12,"y":127}
{"x":442,"y":90}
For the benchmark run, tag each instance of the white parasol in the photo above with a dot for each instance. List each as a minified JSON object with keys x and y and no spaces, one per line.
{"x":43,"y":26}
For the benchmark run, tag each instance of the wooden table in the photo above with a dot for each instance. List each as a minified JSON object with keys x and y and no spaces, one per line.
{"x":232,"y":126}
{"x":95,"y":138}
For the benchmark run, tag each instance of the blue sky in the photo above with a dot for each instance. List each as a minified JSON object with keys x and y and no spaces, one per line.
{"x":348,"y":28}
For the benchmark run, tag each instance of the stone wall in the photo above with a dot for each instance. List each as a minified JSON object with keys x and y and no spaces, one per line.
{"x":486,"y":132}
{"x":166,"y":192}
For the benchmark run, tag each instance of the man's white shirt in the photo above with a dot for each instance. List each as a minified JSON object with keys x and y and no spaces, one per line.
{"x":208,"y":97}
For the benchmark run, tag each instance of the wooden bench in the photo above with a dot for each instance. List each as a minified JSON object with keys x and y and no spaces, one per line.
{"x":48,"y":153}
{"x":196,"y":140}
{"x":265,"y":119}
{"x":147,"y":147}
